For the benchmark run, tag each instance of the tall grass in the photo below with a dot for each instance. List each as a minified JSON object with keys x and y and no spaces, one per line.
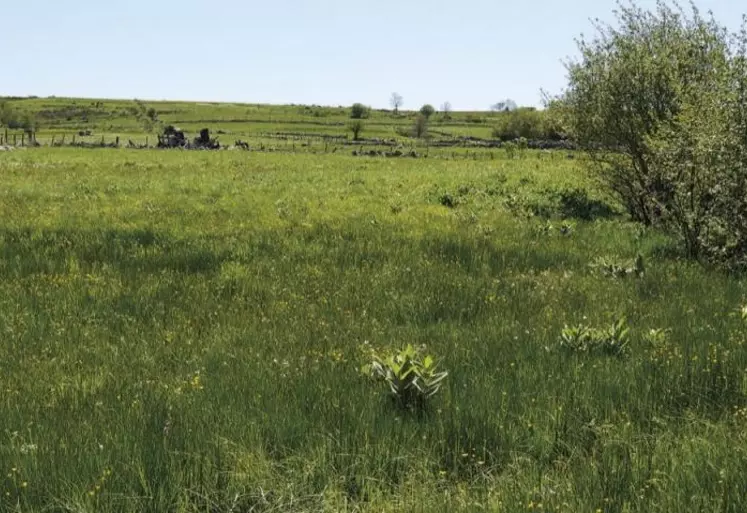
{"x":184,"y":332}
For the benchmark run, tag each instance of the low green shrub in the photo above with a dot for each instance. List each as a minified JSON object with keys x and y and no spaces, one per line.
{"x":412,"y":377}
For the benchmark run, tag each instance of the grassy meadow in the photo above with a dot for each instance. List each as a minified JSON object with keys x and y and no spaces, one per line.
{"x":184,"y":332}
{"x":271,"y":126}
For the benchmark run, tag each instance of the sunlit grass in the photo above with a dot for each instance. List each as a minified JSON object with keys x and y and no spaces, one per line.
{"x":184,"y":331}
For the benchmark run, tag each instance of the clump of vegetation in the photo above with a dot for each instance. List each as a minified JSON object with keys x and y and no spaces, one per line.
{"x":356,"y":127}
{"x":359,"y":111}
{"x":528,"y":123}
{"x":448,"y":200}
{"x":546,"y":229}
{"x":411,"y":376}
{"x":611,"y":341}
{"x":613,"y":269}
{"x":14,"y":120}
{"x":660,"y":105}
{"x":474,"y":118}
{"x":517,"y":123}
{"x":148,"y":116}
{"x":420,"y":127}
{"x":427,"y":110}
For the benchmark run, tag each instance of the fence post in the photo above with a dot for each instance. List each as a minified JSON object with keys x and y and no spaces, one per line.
{"x":23,"y":139}
{"x":52,"y":143}
{"x":73,"y":139}
{"x":117,"y":141}
{"x":146,"y":141}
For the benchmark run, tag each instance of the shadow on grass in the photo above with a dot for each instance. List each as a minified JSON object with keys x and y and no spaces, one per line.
{"x":26,"y":252}
{"x":577,"y":204}
{"x":516,"y":256}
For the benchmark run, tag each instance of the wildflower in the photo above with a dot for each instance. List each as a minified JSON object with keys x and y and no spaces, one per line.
{"x":196,"y":382}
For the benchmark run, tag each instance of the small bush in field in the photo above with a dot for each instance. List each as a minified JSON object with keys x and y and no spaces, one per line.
{"x":427,"y":110}
{"x":412,"y":378}
{"x":612,"y":341}
{"x":356,"y":127}
{"x":612,"y":269}
{"x":420,"y":127}
{"x":448,"y":200}
{"x":359,"y":111}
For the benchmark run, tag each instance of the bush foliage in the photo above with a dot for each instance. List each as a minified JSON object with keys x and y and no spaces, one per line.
{"x":359,"y":111}
{"x":528,"y":123}
{"x":10,"y":118}
{"x":427,"y":110}
{"x":660,"y":104}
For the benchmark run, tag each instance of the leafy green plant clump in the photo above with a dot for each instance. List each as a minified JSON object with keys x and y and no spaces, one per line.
{"x":613,"y":269}
{"x":611,"y":341}
{"x":411,"y":376}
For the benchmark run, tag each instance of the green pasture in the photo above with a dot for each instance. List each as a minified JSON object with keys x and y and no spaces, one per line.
{"x":185,"y":331}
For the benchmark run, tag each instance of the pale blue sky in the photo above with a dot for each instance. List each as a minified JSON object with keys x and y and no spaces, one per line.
{"x":471,"y":53}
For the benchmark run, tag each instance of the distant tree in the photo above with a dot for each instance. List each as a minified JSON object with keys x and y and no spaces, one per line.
{"x":28,"y":123}
{"x":7,"y":115}
{"x":356,"y":127}
{"x":504,"y":106}
{"x":152,"y":114}
{"x":446,"y":110}
{"x":10,"y":118}
{"x":396,"y":102}
{"x":420,"y":127}
{"x":427,"y":110}
{"x":359,"y":111}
